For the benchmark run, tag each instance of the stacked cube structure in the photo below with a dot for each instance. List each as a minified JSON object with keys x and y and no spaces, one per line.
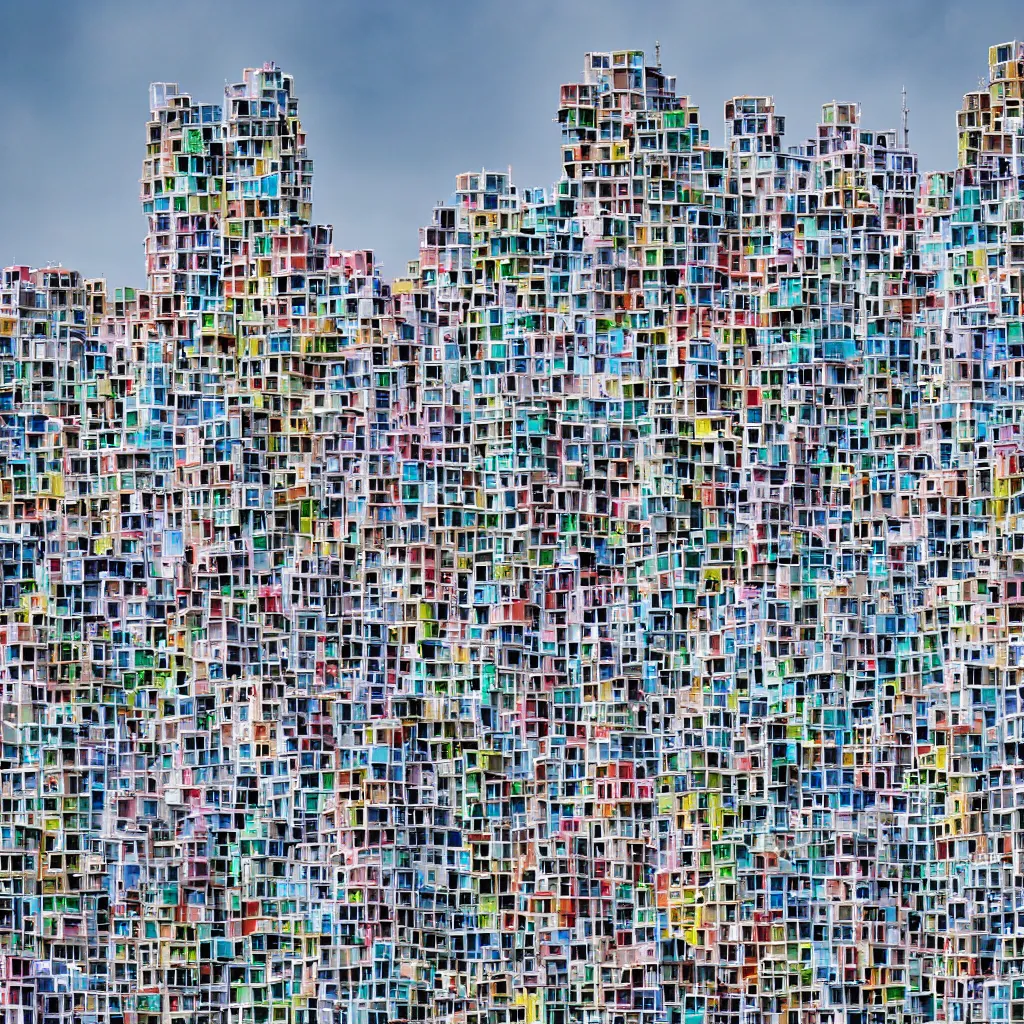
{"x":618,"y":618}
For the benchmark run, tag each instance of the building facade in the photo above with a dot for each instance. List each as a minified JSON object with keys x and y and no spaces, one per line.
{"x":617,"y":618}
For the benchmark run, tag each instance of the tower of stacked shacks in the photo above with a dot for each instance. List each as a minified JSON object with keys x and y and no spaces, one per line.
{"x":616,"y":619}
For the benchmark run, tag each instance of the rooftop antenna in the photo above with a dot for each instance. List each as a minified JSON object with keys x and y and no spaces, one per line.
{"x":906,"y":120}
{"x":657,"y":53}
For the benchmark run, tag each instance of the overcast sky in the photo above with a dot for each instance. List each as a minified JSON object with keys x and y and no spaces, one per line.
{"x":397,"y":98}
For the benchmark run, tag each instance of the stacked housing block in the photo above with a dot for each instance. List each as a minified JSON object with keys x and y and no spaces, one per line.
{"x":615,"y":619}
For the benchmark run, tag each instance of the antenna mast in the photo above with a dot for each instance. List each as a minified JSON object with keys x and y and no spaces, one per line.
{"x":906,"y":121}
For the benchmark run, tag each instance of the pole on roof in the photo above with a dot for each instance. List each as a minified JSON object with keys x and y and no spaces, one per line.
{"x":906,"y":120}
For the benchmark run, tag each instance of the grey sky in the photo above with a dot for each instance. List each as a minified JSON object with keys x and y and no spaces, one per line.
{"x":397,"y":98}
